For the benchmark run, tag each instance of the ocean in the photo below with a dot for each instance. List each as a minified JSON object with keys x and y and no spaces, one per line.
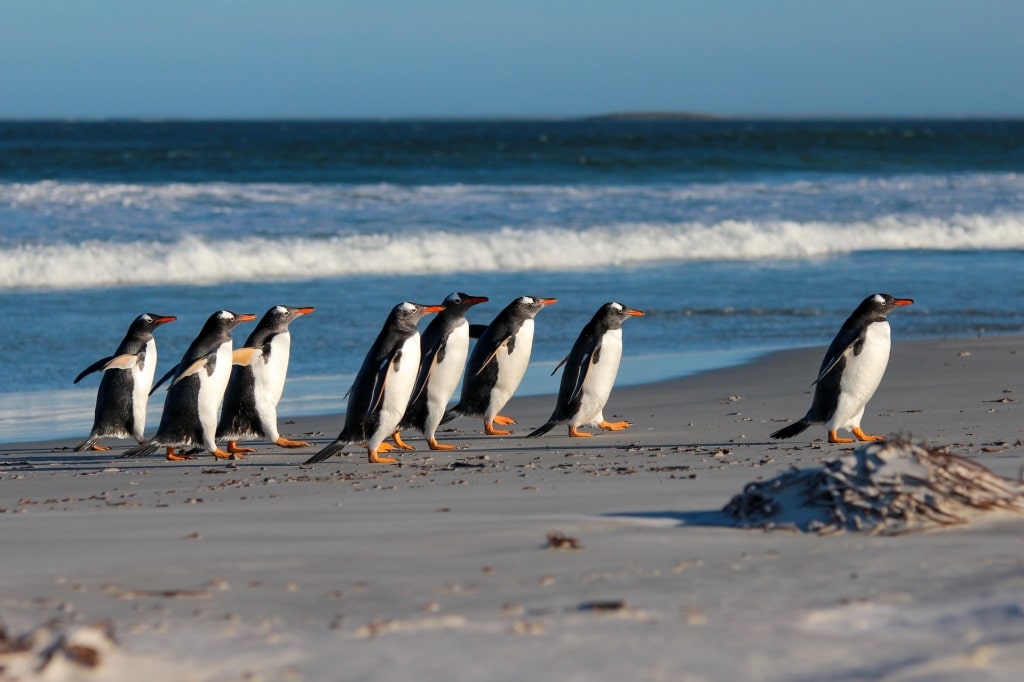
{"x":736,"y":237}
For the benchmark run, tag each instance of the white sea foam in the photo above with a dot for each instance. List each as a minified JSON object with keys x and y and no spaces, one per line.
{"x":202,"y":260}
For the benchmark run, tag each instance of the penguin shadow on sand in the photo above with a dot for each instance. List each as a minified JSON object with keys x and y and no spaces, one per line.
{"x":64,"y":458}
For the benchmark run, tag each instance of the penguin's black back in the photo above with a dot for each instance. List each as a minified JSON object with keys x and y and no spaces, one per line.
{"x":238,"y":413}
{"x":179,"y":422}
{"x":114,"y":401}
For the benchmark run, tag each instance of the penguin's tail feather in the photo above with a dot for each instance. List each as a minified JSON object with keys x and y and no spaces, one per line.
{"x":87,"y":443}
{"x":334,"y":448}
{"x":794,"y":429}
{"x":451,"y":413}
{"x":544,"y":429}
{"x":141,"y":450}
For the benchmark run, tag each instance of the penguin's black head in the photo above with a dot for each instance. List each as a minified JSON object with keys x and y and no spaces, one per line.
{"x":529,"y":306}
{"x":460,"y":301}
{"x":405,"y":315}
{"x":147,"y":322}
{"x":877,"y":306}
{"x":611,"y":315}
{"x":225,"y":321}
{"x":280,"y":316}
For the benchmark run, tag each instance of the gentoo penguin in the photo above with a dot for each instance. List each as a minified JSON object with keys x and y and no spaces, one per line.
{"x":124,"y":389}
{"x":254,"y":389}
{"x":590,"y":370}
{"x":383,"y":385}
{"x":193,"y":398}
{"x":498,"y":363}
{"x":444,"y":346}
{"x":851,"y":371}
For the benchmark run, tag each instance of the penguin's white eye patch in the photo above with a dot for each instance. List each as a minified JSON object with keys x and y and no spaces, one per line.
{"x":407,"y":307}
{"x":879,"y":299}
{"x":618,"y":307}
{"x":147,"y":318}
{"x":280,"y":309}
{"x":225,"y":315}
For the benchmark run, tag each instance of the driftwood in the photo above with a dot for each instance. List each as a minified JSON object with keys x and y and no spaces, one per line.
{"x":891,"y":487}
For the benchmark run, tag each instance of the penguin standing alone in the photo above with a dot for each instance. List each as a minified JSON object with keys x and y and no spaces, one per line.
{"x":193,"y":398}
{"x":590,"y":370}
{"x":124,"y":389}
{"x":444,"y":346}
{"x":497,"y":364}
{"x":851,"y":372}
{"x":380,"y":394}
{"x":255,"y":388}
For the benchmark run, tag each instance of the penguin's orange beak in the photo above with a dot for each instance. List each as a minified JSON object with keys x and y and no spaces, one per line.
{"x":475,"y":299}
{"x":548,"y":301}
{"x":433,"y":308}
{"x":246,"y":317}
{"x":165,"y":319}
{"x":633,"y":312}
{"x":304,"y":311}
{"x":903,"y":301}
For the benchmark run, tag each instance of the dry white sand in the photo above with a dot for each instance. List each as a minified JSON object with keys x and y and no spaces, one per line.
{"x":438,"y":569}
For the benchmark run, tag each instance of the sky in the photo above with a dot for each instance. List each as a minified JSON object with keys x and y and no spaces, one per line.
{"x":495,"y":58}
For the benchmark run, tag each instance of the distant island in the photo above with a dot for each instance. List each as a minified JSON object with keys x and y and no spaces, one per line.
{"x":654,"y":116}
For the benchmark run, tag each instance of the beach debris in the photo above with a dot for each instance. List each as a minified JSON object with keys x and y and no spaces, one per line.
{"x":53,"y":651}
{"x":559,"y":540}
{"x":889,"y":488}
{"x":602,"y":606}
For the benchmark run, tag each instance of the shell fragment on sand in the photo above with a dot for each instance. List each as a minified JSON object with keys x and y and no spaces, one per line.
{"x":887,"y":488}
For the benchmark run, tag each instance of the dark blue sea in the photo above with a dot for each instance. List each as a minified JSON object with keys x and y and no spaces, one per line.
{"x":736,"y":237}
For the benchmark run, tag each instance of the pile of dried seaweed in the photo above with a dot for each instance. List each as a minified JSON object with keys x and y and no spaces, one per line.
{"x":888,"y":488}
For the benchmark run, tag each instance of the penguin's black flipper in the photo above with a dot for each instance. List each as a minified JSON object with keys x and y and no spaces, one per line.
{"x":794,"y":429}
{"x":475,"y":330}
{"x":332,"y":449}
{"x":845,"y":339}
{"x":164,"y":378}
{"x":141,"y":450}
{"x":94,"y":367}
{"x":544,"y":429}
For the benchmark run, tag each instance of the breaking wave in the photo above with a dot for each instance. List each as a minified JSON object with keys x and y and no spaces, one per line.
{"x":195,"y":259}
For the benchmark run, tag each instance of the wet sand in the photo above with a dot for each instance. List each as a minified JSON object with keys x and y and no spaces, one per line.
{"x":441,"y":568}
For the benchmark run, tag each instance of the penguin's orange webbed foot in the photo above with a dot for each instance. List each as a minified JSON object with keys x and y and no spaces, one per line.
{"x":96,"y":447}
{"x":503,"y":420}
{"x":172,"y":456}
{"x":235,"y":450}
{"x":397,"y":437}
{"x":221,"y":454}
{"x":434,"y":445}
{"x":833,"y":437}
{"x":386,"y":447}
{"x":374,"y":458}
{"x":576,"y":433}
{"x":615,"y":426}
{"x":865,"y":436}
{"x":491,"y":431}
{"x":283,"y":442}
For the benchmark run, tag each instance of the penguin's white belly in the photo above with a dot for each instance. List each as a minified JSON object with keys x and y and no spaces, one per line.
{"x":511,"y":368}
{"x":211,"y":393}
{"x":397,"y":391}
{"x":598,"y":385}
{"x":268,"y":382}
{"x":445,"y":375}
{"x":861,"y":377}
{"x":142,"y":382}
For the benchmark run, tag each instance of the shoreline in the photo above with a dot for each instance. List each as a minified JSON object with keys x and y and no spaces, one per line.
{"x":267,"y":569}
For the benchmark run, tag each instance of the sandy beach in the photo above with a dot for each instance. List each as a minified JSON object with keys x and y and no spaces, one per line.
{"x":441,"y":568}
